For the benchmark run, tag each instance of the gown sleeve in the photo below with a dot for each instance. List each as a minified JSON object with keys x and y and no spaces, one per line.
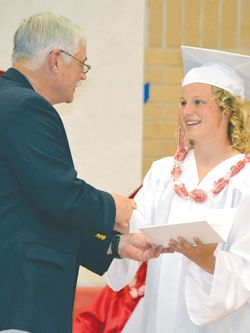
{"x":212,"y":297}
{"x":122,"y":271}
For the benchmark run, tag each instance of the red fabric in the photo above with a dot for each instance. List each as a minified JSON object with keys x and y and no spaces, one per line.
{"x":135,"y":191}
{"x":1,"y":72}
{"x":109,"y":312}
{"x":84,"y":296}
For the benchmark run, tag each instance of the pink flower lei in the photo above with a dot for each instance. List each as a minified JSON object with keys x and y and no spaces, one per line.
{"x":200,"y":195}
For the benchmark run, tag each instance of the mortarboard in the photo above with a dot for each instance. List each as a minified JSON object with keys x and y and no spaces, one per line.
{"x":229,"y":71}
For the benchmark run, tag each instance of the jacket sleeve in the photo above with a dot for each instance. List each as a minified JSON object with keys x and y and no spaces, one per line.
{"x":36,"y":150}
{"x":93,"y":254}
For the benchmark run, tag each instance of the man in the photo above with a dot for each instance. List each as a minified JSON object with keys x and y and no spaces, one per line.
{"x":50,"y":221}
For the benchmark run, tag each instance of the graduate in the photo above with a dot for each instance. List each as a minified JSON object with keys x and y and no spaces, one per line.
{"x":198,"y":287}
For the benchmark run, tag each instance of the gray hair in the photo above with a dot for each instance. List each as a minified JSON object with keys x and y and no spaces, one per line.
{"x":41,"y":33}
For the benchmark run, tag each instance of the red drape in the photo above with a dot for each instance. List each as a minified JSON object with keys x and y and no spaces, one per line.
{"x":110,"y":311}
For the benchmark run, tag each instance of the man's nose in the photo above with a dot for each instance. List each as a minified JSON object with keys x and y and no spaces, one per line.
{"x":83,"y":76}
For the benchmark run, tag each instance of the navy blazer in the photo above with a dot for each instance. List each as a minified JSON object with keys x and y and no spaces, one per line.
{"x":50,"y":221}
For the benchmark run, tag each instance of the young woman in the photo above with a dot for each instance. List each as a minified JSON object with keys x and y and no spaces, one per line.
{"x":203,"y":288}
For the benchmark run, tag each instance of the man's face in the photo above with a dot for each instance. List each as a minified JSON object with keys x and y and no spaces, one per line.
{"x":70,"y":76}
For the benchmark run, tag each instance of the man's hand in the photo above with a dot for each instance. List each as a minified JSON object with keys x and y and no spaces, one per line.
{"x":201,"y":254}
{"x":124,"y":209}
{"x":136,"y":246}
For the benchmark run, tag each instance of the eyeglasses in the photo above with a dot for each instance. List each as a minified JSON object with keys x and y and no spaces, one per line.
{"x":84,"y":67}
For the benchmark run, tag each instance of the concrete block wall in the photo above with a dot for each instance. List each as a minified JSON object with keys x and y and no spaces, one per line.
{"x":219,"y":24}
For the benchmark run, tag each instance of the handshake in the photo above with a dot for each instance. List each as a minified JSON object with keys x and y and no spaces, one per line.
{"x":134,"y":246}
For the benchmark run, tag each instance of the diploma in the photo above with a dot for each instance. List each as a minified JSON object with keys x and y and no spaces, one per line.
{"x":212,"y":227}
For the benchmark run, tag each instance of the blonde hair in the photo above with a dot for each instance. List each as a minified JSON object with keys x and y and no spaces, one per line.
{"x":238,"y":132}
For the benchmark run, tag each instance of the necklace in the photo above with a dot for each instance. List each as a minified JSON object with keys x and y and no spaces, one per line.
{"x":200,"y":195}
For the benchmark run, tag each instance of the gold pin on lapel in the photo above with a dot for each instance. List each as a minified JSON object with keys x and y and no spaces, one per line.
{"x":100,"y":236}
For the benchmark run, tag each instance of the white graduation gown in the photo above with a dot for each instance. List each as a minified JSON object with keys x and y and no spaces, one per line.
{"x":180,"y":297}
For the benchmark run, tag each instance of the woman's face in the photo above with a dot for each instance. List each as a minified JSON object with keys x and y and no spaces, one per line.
{"x":200,"y":114}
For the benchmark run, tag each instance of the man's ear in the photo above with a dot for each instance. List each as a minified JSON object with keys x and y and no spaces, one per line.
{"x":54,"y":61}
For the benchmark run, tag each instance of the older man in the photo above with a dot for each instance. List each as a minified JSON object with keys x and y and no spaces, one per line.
{"x":50,"y":221}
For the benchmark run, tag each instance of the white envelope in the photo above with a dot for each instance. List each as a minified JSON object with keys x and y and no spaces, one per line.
{"x":214,"y":227}
{"x":161,"y":234}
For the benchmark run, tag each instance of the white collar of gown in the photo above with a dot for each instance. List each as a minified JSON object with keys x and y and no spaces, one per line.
{"x":190,"y":173}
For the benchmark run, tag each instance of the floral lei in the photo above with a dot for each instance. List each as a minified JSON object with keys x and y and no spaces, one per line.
{"x":200,"y":195}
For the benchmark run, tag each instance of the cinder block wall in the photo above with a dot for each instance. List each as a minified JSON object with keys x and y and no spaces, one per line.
{"x":219,"y":24}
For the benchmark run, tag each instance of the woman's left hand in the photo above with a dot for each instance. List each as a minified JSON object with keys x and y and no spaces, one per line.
{"x":200,"y":253}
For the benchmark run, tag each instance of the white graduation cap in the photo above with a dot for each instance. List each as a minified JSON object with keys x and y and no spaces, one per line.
{"x":229,"y":71}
